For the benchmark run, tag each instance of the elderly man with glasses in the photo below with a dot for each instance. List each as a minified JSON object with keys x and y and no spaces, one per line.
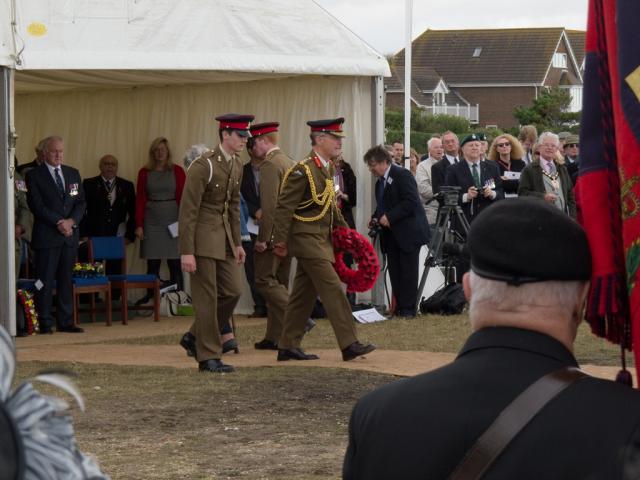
{"x":546,"y":177}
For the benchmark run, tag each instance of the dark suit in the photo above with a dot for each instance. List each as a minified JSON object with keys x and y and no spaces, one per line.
{"x":249,"y":189}
{"x":401,"y":242}
{"x":55,"y":254}
{"x":460,"y":175}
{"x":103,"y":218}
{"x":438,"y":174}
{"x":421,"y":427}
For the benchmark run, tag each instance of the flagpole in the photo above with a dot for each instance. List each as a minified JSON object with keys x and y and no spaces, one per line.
{"x":407,"y":81}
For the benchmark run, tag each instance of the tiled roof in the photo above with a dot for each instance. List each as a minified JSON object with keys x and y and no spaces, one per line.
{"x":507,"y":55}
{"x":577,"y":41}
{"x":425,"y":78}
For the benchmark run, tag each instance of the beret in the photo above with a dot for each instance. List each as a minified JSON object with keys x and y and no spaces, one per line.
{"x":472,"y":137}
{"x":572,"y":139}
{"x":528,"y":240}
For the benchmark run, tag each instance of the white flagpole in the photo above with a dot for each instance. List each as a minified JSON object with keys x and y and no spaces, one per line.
{"x":407,"y":81}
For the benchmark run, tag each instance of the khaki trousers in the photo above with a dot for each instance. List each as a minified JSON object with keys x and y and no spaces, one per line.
{"x":316,"y":277}
{"x":272,"y":282}
{"x":216,"y":286}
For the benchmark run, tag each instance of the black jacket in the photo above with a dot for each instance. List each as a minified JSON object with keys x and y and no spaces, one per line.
{"x":403,"y":210}
{"x":421,"y":427}
{"x":249,"y":191}
{"x":439,"y":173}
{"x":532,"y":184}
{"x":48,"y":208}
{"x":349,"y":179}
{"x":102,"y":218}
{"x":460,"y":175}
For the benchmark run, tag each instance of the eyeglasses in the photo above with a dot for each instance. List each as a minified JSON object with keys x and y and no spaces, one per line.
{"x":506,"y":144}
{"x":571,"y":145}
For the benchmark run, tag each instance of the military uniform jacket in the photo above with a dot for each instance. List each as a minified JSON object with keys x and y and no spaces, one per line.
{"x":209,"y":218}
{"x":309,"y":238}
{"x":22,"y":214}
{"x":272,"y":171}
{"x":421,"y":427}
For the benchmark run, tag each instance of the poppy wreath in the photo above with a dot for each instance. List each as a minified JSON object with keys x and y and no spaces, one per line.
{"x":29,"y":307}
{"x":347,"y":240}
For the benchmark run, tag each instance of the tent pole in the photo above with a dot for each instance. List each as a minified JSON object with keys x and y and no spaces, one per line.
{"x":377,"y":137}
{"x":7,"y":236}
{"x":407,"y":81}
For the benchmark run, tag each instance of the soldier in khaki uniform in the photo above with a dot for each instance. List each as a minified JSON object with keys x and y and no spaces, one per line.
{"x":304,"y":219}
{"x":210,"y":245}
{"x":271,"y":272}
{"x":23,"y":217}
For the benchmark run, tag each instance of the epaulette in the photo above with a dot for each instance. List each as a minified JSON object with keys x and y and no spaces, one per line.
{"x":208,"y":153}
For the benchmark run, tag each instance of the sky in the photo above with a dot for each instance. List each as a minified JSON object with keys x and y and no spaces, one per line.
{"x":381,"y":22}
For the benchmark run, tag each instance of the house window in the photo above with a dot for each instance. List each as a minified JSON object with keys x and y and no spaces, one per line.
{"x":560,"y":60}
{"x":477,"y":52}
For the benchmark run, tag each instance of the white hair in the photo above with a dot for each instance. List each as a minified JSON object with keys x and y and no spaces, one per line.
{"x":550,"y":135}
{"x":489,"y":296}
{"x":193,"y":152}
{"x":430,"y":142}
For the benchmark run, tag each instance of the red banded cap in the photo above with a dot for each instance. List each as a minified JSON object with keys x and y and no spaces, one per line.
{"x":332,"y":126}
{"x":263,"y":128}
{"x":233,"y":121}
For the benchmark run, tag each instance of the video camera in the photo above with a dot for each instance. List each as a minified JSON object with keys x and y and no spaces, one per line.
{"x":448,"y":196}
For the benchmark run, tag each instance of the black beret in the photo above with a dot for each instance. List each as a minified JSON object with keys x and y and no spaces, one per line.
{"x":528,"y":240}
{"x":472,"y":137}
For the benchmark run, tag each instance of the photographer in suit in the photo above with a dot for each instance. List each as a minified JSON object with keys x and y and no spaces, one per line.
{"x":403,"y":224}
{"x":56,"y":199}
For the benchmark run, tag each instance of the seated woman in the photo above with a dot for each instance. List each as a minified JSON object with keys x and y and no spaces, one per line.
{"x":159,"y":190}
{"x":507,"y":152}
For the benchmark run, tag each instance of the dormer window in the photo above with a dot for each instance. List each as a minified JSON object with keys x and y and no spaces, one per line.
{"x":560,"y":60}
{"x":477,"y":52}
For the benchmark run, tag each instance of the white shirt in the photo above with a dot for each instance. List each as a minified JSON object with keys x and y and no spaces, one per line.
{"x":452,"y":159}
{"x":52,"y":171}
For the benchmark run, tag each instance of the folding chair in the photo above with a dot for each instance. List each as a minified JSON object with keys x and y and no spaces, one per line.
{"x":91,"y":285}
{"x":113,"y":248}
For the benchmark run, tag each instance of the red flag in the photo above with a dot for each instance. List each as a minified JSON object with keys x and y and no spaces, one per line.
{"x":608,"y":188}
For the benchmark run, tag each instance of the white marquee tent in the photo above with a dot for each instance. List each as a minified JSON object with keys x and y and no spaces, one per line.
{"x":111,"y":75}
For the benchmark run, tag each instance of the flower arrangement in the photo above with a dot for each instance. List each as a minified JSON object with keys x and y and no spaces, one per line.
{"x":25,"y":297}
{"x":88,"y":270}
{"x":347,"y":240}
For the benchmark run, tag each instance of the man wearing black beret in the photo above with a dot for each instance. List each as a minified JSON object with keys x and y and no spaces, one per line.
{"x":524,"y":315}
{"x":479,"y":180}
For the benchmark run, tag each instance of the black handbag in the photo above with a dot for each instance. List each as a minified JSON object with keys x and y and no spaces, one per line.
{"x":449,"y":300}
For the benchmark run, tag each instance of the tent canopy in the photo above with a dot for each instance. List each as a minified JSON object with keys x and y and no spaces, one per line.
{"x":85,"y":41}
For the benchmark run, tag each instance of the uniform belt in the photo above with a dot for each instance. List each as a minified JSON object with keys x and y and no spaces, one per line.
{"x":162,"y":200}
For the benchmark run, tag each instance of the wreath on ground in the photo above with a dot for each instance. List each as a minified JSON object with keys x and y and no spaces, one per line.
{"x":349,"y":241}
{"x":25,"y":297}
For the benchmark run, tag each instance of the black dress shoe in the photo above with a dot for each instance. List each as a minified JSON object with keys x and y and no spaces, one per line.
{"x":265,"y":344}
{"x":229,"y":345}
{"x":71,"y":329}
{"x":259,"y":313}
{"x":295,"y":354}
{"x":46,"y":330}
{"x":356,"y":349}
{"x":214,"y":365}
{"x":188,"y":342}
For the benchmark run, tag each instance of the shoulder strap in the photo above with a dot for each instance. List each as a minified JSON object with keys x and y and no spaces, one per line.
{"x":511,"y":421}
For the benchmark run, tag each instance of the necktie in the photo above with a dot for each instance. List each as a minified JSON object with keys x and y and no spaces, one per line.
{"x":379,"y":196}
{"x":59,"y":182}
{"x":108,"y":185}
{"x":476,"y":175}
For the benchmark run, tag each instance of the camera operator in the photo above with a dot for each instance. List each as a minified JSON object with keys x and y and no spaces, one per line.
{"x":402,"y":225}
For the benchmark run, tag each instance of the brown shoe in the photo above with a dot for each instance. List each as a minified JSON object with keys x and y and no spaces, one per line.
{"x":356,"y":349}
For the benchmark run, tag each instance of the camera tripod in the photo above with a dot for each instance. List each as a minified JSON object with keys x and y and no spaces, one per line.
{"x":446,"y":214}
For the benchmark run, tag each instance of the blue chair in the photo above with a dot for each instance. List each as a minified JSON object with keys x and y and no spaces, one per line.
{"x":113,"y":248}
{"x":91,"y":285}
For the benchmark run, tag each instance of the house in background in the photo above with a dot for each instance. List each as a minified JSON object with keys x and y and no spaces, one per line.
{"x":492,"y":70}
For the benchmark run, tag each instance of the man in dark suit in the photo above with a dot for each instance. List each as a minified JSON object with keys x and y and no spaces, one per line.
{"x":404,"y":226}
{"x":56,"y":199}
{"x":524,"y":315}
{"x":250,"y":191}
{"x":479,"y":181}
{"x":111,"y":208}
{"x":451,"y":146}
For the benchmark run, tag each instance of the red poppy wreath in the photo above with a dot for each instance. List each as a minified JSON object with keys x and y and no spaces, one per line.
{"x":347,"y":240}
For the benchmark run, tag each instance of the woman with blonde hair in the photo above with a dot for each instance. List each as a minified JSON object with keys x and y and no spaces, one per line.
{"x":507,"y":152}
{"x":159,"y":190}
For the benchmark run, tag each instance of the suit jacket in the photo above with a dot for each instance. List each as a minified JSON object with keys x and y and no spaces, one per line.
{"x":349,"y":180}
{"x":421,"y":427}
{"x":272,"y":172}
{"x":425,"y":188}
{"x":209,"y":217}
{"x":438,"y":174}
{"x":48,"y":208}
{"x":511,"y":186}
{"x":307,"y":239}
{"x":531,"y":184}
{"x":249,"y":191}
{"x":460,"y":175}
{"x":401,"y":205}
{"x":102,"y":218}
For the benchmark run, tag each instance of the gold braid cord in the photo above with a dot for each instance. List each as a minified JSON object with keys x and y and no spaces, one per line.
{"x":324,"y":200}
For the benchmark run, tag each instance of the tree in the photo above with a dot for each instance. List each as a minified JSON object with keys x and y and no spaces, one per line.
{"x":548,"y":111}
